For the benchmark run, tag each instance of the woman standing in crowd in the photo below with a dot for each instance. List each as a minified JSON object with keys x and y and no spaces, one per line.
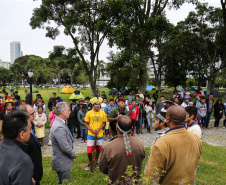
{"x":81,"y":119}
{"x":52,"y":117}
{"x":149,"y":114}
{"x":218,"y":112}
{"x":39,"y":122}
{"x":8,"y":108}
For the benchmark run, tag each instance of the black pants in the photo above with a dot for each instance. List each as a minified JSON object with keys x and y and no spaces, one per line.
{"x":217,"y":121}
{"x":203,"y":119}
{"x":78,"y":129}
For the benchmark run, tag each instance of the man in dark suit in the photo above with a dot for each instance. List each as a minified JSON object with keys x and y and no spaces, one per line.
{"x":28,"y":99}
{"x":34,"y":148}
{"x":62,"y":143}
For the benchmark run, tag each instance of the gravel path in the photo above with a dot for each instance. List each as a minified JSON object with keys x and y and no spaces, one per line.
{"x":212,"y":136}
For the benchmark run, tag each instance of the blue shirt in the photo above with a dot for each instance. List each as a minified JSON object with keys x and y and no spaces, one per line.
{"x":108,"y":108}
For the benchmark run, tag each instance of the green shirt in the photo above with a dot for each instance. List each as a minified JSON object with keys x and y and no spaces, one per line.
{"x":114,"y":112}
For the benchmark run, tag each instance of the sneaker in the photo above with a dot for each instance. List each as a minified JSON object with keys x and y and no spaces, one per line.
{"x":96,"y":165}
{"x":88,"y":167}
{"x":223,"y":127}
{"x":50,"y":143}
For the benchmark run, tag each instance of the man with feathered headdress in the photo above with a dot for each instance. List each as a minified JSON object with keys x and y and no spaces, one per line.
{"x":121,"y":151}
{"x":95,"y":122}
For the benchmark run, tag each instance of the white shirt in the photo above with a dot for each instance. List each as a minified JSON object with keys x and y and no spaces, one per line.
{"x":103,"y":105}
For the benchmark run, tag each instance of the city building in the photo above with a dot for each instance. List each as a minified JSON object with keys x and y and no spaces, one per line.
{"x":15,"y":51}
{"x":4,"y":64}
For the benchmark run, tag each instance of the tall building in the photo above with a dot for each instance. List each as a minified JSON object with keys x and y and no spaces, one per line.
{"x":15,"y":51}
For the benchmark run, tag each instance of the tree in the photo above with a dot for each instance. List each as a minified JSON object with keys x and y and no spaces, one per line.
{"x":4,"y":75}
{"x":68,"y":63}
{"x":206,"y":24}
{"x":85,"y":22}
{"x":123,"y":70}
{"x":223,"y":55}
{"x":136,"y":25}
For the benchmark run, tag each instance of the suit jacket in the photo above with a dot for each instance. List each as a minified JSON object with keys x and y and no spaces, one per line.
{"x":28,"y":99}
{"x":35,"y":153}
{"x":178,"y":153}
{"x":62,"y":144}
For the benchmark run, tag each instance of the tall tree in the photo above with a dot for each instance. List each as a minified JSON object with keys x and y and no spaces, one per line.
{"x":223,"y":56}
{"x":136,"y":25}
{"x":85,"y":22}
{"x":206,"y":23}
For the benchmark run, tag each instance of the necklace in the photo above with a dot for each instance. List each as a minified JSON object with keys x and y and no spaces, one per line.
{"x":40,"y":115}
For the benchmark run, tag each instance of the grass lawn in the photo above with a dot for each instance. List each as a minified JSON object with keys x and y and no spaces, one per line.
{"x":211,"y":171}
{"x":87,"y":92}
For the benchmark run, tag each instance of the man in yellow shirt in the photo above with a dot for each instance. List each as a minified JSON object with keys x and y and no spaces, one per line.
{"x":95,"y":122}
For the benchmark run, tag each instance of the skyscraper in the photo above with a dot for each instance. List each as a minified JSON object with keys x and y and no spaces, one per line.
{"x":15,"y":51}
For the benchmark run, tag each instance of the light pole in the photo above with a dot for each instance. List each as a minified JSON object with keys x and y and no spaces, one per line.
{"x":30,"y":74}
{"x":22,"y":79}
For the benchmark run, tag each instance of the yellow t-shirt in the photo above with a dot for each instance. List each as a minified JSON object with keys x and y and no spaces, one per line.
{"x":95,"y":120}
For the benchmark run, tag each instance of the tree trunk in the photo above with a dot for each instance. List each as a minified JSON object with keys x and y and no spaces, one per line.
{"x":92,"y":85}
{"x":211,"y":84}
{"x":143,"y":79}
{"x":158,"y":84}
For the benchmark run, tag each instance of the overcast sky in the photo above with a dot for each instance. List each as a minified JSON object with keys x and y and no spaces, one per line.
{"x":14,"y":26}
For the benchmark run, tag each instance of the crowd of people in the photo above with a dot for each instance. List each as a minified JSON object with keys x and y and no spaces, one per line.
{"x":178,"y":119}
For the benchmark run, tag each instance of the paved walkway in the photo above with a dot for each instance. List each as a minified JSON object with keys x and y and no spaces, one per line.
{"x":216,"y":137}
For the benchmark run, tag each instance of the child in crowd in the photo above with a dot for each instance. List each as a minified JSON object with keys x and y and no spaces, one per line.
{"x":81,"y":119}
{"x":52,"y":117}
{"x":202,"y":110}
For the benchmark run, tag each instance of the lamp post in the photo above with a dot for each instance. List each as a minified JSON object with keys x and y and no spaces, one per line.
{"x":22,"y":79}
{"x":30,"y":74}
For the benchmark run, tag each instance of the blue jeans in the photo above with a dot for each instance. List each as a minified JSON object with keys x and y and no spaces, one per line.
{"x":84,"y":134}
{"x":71,"y":130}
{"x":138,"y":124}
{"x":149,"y":120}
{"x":208,"y":116}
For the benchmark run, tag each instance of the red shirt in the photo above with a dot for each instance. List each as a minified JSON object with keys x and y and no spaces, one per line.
{"x":135,"y":113}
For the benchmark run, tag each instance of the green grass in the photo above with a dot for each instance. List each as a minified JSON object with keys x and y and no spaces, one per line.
{"x":211,"y":171}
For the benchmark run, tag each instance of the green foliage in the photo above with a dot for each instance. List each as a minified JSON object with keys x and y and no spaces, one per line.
{"x":152,"y":81}
{"x":118,"y":68}
{"x":87,"y":23}
{"x":136,"y":26}
{"x":190,"y":82}
{"x":4,"y":76}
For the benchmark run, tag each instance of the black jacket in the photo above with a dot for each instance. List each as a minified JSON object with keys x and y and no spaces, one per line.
{"x":35,"y":153}
{"x":52,"y":102}
{"x":16,"y":166}
{"x":28,"y":99}
{"x":217,"y":109}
